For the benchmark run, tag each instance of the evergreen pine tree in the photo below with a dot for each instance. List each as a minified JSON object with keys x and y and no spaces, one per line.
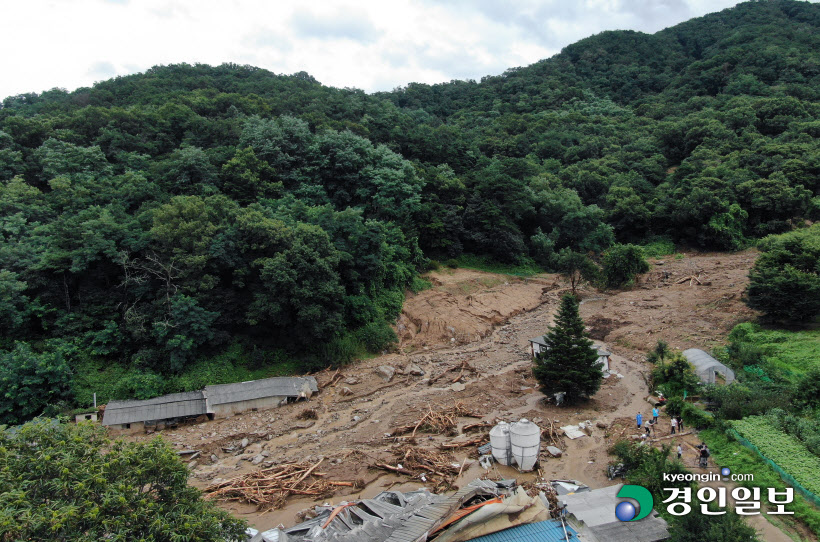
{"x":570,"y":364}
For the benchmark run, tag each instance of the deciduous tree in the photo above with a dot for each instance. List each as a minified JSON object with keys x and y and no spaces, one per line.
{"x":68,"y":482}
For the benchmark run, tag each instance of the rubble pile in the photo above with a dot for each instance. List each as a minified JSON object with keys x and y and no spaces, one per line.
{"x":437,"y":420}
{"x":270,"y":488}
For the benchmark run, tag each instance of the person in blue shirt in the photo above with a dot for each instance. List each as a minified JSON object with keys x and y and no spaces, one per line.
{"x":639,"y":418}
{"x":655,"y":415}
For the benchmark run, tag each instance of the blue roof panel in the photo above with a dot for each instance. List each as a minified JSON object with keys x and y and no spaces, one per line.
{"x":543,"y":531}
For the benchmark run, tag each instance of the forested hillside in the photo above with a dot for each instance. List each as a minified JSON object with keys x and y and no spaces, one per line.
{"x":193,"y":213}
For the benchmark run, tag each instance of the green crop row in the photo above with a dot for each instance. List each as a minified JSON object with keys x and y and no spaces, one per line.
{"x":785,"y":450}
{"x":727,"y":452}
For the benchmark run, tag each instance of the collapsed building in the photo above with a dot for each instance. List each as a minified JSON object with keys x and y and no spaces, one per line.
{"x":216,"y":401}
{"x":482,"y":511}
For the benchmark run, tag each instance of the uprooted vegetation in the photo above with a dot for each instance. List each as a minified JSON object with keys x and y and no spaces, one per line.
{"x":439,"y":469}
{"x":270,"y":488}
{"x":437,"y":420}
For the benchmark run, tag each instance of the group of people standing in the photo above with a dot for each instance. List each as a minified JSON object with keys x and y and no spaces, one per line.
{"x":676,"y":424}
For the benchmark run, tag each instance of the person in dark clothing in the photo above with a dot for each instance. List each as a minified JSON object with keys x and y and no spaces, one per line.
{"x":680,"y":424}
{"x":704,"y":456}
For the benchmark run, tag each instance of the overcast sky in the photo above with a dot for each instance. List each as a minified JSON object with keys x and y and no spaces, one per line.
{"x":364,"y":44}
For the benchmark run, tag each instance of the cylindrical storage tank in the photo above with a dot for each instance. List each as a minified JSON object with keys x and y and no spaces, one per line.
{"x":525,"y":440}
{"x":500,"y":442}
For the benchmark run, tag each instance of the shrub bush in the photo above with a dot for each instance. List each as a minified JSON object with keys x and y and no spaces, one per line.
{"x":376,"y":336}
{"x":621,"y":263}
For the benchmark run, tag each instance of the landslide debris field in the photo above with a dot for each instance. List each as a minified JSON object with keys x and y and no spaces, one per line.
{"x":463,"y":360}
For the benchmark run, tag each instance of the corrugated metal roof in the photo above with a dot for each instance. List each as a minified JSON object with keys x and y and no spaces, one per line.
{"x":256,"y":389}
{"x":546,"y":531}
{"x":174,"y":405}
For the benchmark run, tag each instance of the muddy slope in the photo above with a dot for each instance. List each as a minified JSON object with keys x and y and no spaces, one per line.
{"x":484,"y":320}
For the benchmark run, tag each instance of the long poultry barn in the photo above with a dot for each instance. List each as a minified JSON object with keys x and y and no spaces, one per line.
{"x":227,"y":399}
{"x":134,"y":416}
{"x":216,"y":401}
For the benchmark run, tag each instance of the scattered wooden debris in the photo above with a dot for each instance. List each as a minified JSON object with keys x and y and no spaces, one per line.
{"x":270,"y":488}
{"x":533,"y":488}
{"x":438,"y":420}
{"x":552,"y":436}
{"x":474,"y":442}
{"x":691,"y":278}
{"x":476,"y":426}
{"x":465,"y":366}
{"x":438,"y":468}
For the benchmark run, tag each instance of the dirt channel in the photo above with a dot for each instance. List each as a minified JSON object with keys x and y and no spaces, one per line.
{"x":485,"y":320}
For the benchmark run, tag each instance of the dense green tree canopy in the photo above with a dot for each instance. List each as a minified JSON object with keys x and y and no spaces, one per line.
{"x":785,"y":280}
{"x":68,"y":482}
{"x":157,"y":217}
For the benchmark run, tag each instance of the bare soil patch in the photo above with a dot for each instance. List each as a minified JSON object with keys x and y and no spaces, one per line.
{"x":481,"y":321}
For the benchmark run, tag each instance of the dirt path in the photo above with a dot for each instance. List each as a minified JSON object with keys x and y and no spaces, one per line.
{"x":483,"y":320}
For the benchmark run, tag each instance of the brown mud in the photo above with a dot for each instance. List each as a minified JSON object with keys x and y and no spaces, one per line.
{"x":482,"y":321}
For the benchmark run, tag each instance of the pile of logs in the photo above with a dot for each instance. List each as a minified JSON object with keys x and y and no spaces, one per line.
{"x":438,"y":468}
{"x":437,"y":420}
{"x":460,"y":369}
{"x":692,"y":279}
{"x":270,"y":488}
{"x":551,"y":435}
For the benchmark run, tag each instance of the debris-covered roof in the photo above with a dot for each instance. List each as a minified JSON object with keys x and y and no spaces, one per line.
{"x":175,"y":405}
{"x":256,"y":389}
{"x":390,"y":516}
{"x":706,"y":366}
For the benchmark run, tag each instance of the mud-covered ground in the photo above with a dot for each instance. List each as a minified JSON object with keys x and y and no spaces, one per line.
{"x":485,"y":320}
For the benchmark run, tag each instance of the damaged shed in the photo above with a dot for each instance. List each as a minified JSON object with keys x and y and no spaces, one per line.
{"x":215,"y":401}
{"x":539,"y":345}
{"x":133,"y":416}
{"x":227,"y":399}
{"x":478,"y":508}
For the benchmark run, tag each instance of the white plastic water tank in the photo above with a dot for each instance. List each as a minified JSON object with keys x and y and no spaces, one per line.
{"x":525,"y":441}
{"x":500,"y":442}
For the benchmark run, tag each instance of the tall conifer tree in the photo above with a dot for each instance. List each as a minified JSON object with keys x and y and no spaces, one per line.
{"x":570,"y":364}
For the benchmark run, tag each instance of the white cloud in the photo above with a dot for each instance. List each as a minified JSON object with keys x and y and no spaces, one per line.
{"x":345,"y":43}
